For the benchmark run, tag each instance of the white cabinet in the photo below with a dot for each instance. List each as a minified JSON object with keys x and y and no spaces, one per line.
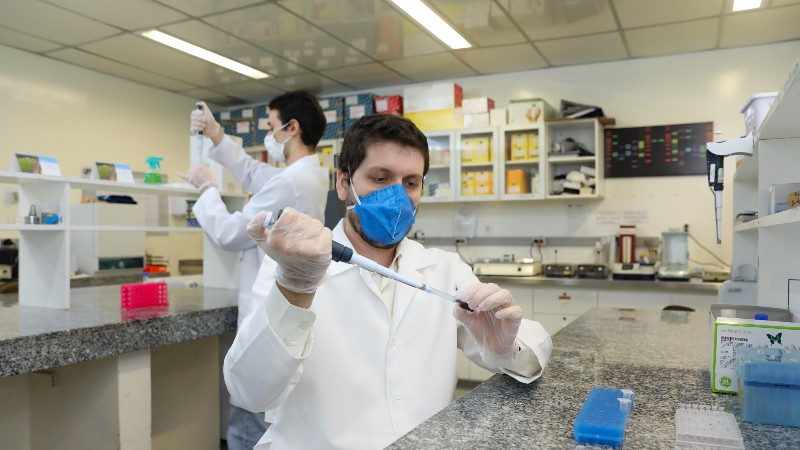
{"x":440,"y":182}
{"x":561,"y":156}
{"x":521,"y":164}
{"x":556,"y":308}
{"x":44,"y":250}
{"x":629,"y":299}
{"x":768,"y":248}
{"x":477,"y":177}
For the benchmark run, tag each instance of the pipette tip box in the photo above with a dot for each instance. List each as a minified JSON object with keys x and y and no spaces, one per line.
{"x":603,"y":416}
{"x":769,"y":384}
{"x":704,"y":426}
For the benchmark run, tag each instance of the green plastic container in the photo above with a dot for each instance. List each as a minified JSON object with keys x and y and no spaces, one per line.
{"x":153,"y":175}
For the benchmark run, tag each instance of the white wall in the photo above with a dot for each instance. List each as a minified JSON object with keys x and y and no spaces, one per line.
{"x":80,"y":116}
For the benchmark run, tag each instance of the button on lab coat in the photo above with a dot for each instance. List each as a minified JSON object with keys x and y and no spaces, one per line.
{"x":303,"y":186}
{"x":363,"y":377}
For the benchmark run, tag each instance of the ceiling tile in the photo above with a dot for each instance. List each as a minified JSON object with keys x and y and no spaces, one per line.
{"x":210,"y":96}
{"x":641,"y":13}
{"x":26,"y":42}
{"x":204,"y":7}
{"x":100,"y":64}
{"x":550,"y":19}
{"x":210,"y":38}
{"x":584,"y":49}
{"x":154,"y":57}
{"x":482,"y":22}
{"x":311,"y":82}
{"x":281,"y":32}
{"x":683,"y":37}
{"x":371,"y":27}
{"x":253,"y":91}
{"x":366,"y":76}
{"x":509,"y":58}
{"x":51,"y":23}
{"x":431,"y":67}
{"x":760,"y":26}
{"x":126,"y":14}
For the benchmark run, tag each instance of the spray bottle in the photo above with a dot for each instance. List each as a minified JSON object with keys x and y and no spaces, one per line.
{"x":153,"y":175}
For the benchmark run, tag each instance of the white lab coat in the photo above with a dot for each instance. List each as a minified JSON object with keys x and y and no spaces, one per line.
{"x":303,"y":186}
{"x":364,"y":378}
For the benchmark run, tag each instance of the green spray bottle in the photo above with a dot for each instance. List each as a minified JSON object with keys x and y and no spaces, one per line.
{"x":153,"y":175}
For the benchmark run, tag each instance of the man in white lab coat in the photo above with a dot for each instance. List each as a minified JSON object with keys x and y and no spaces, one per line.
{"x":343,"y":358}
{"x":296,"y":124}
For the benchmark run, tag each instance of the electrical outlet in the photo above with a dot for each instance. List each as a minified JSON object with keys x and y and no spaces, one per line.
{"x":540,"y":241}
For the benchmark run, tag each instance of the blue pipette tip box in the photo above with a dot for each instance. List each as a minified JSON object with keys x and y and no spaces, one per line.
{"x":603,"y":416}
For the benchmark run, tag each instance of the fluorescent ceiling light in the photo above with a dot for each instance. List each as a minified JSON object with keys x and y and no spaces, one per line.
{"x":202,"y":53}
{"x":744,"y":5}
{"x":428,"y":19}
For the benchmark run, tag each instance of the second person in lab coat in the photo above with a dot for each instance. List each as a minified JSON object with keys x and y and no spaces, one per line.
{"x":296,"y":124}
{"x":344,"y":358}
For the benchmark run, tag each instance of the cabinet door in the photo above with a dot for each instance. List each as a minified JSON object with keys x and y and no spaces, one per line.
{"x":553,"y":323}
{"x":698,"y":302}
{"x":523,"y":296}
{"x":634,"y":299}
{"x":520,"y":163}
{"x":476,"y":159}
{"x":440,"y":182}
{"x":570,"y":301}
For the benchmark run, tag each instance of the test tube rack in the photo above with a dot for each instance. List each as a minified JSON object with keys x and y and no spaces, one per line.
{"x":707,"y":426}
{"x":603,"y":416}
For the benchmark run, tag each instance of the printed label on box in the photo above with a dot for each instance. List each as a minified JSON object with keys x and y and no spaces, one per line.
{"x":50,"y":166}
{"x":730,"y":336}
{"x":242,"y":127}
{"x":225,"y":115}
{"x":262,"y":123}
{"x":247,"y":113}
{"x":331,"y":116}
{"x":357,"y":111}
{"x":324,"y":104}
{"x":382,"y":104}
{"x":351,"y":100}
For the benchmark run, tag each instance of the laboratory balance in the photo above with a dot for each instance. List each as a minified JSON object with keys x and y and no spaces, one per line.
{"x":674,"y":256}
{"x":525,"y":267}
{"x":626,"y":267}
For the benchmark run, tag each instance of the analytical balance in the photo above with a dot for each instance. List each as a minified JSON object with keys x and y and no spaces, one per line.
{"x":674,"y":256}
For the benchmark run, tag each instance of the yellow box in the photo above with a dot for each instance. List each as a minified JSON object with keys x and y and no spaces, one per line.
{"x":517,"y":181}
{"x":483,"y":177}
{"x":483,"y":189}
{"x":468,"y":183}
{"x":483,"y":150}
{"x":468,"y":146}
{"x":533,"y":143}
{"x":437,"y":119}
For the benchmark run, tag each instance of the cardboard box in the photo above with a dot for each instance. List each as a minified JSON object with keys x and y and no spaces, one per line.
{"x":356,"y":107}
{"x":477,"y":105}
{"x":483,"y":177}
{"x":518,"y":148}
{"x":468,"y":183}
{"x":432,"y":97}
{"x":534,"y":111}
{"x":779,"y":196}
{"x":333,"y":108}
{"x":533,"y":145}
{"x":389,"y":104}
{"x":482,"y":151}
{"x":782,"y":328}
{"x":442,"y":119}
{"x":262,"y":115}
{"x":440,"y":157}
{"x":497,"y":117}
{"x":517,"y":181}
{"x":484,"y":188}
{"x":476,"y":120}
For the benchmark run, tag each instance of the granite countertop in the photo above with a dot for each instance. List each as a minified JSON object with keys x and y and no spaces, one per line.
{"x":34,"y":338}
{"x":664,"y":356}
{"x":607,"y":283}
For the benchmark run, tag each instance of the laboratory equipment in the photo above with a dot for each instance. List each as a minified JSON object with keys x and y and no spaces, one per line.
{"x":626,"y":267}
{"x":153,"y":175}
{"x":341,"y":253}
{"x":674,"y":256}
{"x":557,"y":270}
{"x":594,"y":271}
{"x":196,"y":146}
{"x":525,"y":267}
{"x":603,"y":416}
{"x":769,"y":384}
{"x":715,"y":161}
{"x":32,"y":217}
{"x":706,"y":426}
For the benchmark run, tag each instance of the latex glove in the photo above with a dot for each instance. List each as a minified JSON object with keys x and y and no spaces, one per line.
{"x":493,"y":324}
{"x":203,"y":120}
{"x":299,"y":244}
{"x":200,"y":177}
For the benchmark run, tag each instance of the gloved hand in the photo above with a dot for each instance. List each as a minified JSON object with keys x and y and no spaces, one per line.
{"x":494,"y":324}
{"x":203,"y":120}
{"x":300,"y":245}
{"x":200,"y":177}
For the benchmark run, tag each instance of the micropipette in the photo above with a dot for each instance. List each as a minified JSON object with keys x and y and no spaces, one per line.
{"x":342,"y":253}
{"x":197,"y":145}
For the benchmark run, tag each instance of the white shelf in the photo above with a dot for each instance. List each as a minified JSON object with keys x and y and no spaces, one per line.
{"x":439,"y":166}
{"x":144,"y":229}
{"x":782,"y":121}
{"x":788,"y":217}
{"x":747,"y":226}
{"x":23,"y":227}
{"x":526,"y":162}
{"x":574,"y":197}
{"x":570,"y":159}
{"x":477,"y":164}
{"x":436,"y":199}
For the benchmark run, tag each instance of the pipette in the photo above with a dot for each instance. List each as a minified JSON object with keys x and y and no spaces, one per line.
{"x":197,"y":145}
{"x":342,"y":253}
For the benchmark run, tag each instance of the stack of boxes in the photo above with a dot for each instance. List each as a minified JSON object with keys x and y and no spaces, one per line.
{"x":356,"y":107}
{"x":390,"y":104}
{"x":476,"y":112}
{"x":476,"y":149}
{"x":523,"y":146}
{"x":529,"y":112}
{"x":434,"y":107}
{"x":333,"y":108}
{"x":243,"y":125}
{"x":262,"y":115}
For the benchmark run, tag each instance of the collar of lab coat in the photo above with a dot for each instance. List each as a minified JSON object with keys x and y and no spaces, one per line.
{"x":410,"y":254}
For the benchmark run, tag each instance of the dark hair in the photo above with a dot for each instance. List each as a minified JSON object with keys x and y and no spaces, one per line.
{"x":304,"y":108}
{"x":380,"y":128}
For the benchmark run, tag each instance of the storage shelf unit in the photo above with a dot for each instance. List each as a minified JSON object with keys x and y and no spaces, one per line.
{"x":769,"y":244}
{"x":44,"y":249}
{"x":587,"y":132}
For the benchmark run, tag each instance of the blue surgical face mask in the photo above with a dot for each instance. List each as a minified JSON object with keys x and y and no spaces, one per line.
{"x":386,"y":215}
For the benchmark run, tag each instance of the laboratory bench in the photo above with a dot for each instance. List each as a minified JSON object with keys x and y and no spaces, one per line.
{"x":664,"y":356}
{"x":95,"y":376}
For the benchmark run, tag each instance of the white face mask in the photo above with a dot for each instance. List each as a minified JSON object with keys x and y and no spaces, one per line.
{"x":275,"y":148}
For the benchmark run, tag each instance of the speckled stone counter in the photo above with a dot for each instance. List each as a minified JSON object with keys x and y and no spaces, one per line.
{"x":662,"y":355}
{"x":94,"y":327}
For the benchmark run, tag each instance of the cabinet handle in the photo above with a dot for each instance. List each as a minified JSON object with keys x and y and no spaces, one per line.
{"x":564,"y":296}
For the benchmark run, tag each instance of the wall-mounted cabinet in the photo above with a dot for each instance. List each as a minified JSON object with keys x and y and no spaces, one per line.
{"x":477,"y":162}
{"x":440,"y":184}
{"x":521,"y":165}
{"x":574,"y":158}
